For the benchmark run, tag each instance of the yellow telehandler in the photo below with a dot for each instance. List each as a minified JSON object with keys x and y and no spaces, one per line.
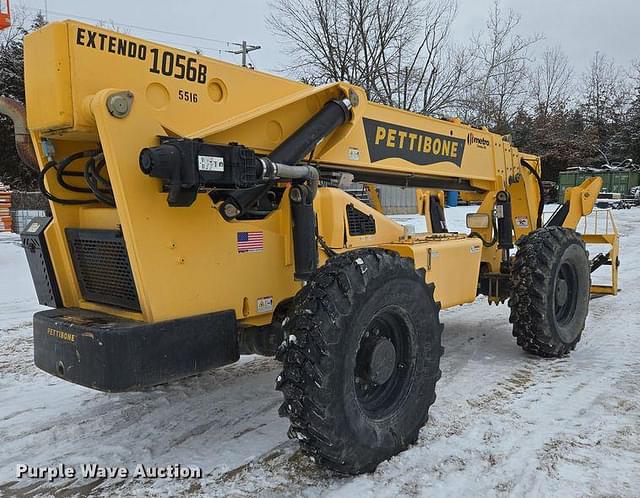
{"x":195,"y":215}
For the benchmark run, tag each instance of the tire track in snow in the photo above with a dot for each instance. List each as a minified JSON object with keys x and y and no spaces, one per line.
{"x":504,"y":423}
{"x":16,"y":352}
{"x":493,"y":435}
{"x":221,"y":413}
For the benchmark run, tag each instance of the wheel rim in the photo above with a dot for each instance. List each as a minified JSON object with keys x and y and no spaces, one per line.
{"x":382,"y":372}
{"x":565,"y":297}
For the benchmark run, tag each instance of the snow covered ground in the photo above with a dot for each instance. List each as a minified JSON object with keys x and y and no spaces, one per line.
{"x":505,"y":423}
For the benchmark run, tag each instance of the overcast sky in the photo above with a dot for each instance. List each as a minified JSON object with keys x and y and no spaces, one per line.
{"x":580,"y":26}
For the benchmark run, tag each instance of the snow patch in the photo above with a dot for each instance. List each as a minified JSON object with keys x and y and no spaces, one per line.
{"x":504,"y":423}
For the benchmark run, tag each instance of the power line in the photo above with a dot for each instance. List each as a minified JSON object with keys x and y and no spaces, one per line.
{"x":133,"y":26}
{"x":244,"y":50}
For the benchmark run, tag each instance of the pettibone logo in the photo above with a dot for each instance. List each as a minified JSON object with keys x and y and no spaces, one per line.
{"x":385,"y":140}
{"x":59,"y":334}
{"x":479,"y":141}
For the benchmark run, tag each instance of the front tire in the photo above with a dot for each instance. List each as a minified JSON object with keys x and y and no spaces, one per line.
{"x":361,"y":360}
{"x":550,"y":286}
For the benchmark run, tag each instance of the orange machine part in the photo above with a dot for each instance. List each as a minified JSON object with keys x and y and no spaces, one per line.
{"x":5,"y":14}
{"x":5,"y":208}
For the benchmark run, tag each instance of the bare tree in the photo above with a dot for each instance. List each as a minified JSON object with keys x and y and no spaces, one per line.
{"x":428,"y":72}
{"x":324,"y":37}
{"x":635,"y":73}
{"x":551,"y":82}
{"x":603,"y":86}
{"x":501,"y":58}
{"x":111,"y":25}
{"x":606,"y":105}
{"x":397,"y":50}
{"x":20,"y":21}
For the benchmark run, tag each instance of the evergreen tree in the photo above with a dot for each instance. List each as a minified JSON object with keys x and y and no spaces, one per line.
{"x":632,"y":130}
{"x":12,"y":171}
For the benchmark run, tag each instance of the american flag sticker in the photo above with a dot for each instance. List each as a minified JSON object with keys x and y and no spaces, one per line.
{"x":250,"y":241}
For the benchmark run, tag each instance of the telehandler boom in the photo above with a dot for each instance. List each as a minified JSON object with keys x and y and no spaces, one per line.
{"x":195,"y":216}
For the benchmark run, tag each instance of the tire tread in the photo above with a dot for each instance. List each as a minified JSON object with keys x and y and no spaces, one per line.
{"x":313,"y":330}
{"x":530,"y":276}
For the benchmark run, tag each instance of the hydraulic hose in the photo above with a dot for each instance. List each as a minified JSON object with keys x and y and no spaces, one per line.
{"x":273,"y":171}
{"x":53,"y":198}
{"x":305,"y":237}
{"x":96,"y":184}
{"x":532,"y":170}
{"x":283,"y":163}
{"x":494,"y":231}
{"x":305,"y":138}
{"x":92,"y":176}
{"x":61,"y":173}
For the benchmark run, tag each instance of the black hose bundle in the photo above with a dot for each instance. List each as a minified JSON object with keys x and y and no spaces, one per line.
{"x":96,"y":184}
{"x":100,"y":187}
{"x":535,"y":174}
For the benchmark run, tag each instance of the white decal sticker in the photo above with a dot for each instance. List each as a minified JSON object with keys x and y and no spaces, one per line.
{"x":522,"y":221}
{"x":474,"y":249}
{"x":265,"y":304}
{"x":354,"y":154}
{"x":33,"y":228}
{"x":210,"y":163}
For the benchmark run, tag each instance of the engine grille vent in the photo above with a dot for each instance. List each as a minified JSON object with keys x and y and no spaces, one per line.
{"x":102,"y":267}
{"x":360,"y":223}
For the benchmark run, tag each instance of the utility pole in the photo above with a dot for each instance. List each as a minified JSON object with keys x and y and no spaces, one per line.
{"x":246,"y":48}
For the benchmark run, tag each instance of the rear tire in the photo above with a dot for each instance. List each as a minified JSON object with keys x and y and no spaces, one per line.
{"x":550,"y":289}
{"x":361,"y":360}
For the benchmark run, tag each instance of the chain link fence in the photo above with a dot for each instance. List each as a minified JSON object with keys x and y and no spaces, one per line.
{"x":20,"y":218}
{"x":24,"y":207}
